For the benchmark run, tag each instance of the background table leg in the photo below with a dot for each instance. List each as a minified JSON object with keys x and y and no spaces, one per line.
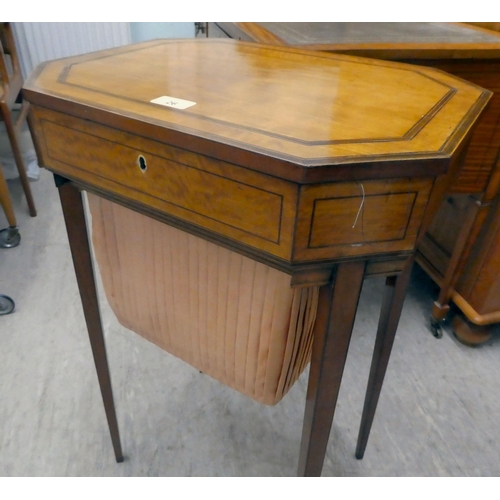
{"x":74,"y":217}
{"x":392,"y":305}
{"x":336,"y":312}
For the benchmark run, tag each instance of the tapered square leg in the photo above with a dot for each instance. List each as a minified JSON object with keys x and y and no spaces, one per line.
{"x":74,"y":217}
{"x":335,"y":318}
{"x":392,"y":305}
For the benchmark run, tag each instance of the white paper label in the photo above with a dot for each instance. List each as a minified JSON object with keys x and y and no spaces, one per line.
{"x":173,"y":102}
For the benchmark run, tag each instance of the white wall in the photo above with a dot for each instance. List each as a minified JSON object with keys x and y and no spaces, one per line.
{"x":140,"y":32}
{"x":39,"y":42}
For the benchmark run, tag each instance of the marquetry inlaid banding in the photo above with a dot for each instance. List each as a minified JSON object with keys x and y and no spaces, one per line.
{"x":303,"y":110}
{"x":359,"y":218}
{"x":335,"y":220}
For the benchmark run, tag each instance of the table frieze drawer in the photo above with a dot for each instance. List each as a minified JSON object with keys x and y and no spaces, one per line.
{"x":360,"y":218}
{"x":233,"y":201}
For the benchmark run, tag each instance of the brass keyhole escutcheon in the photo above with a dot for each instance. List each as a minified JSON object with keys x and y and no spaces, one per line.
{"x":141,"y":161}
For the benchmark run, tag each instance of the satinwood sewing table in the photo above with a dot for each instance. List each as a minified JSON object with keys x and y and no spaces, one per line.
{"x":325,"y":167}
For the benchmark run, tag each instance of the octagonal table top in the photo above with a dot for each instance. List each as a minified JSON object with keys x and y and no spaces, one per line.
{"x":299,"y":109}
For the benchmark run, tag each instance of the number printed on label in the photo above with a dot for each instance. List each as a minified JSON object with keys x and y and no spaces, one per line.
{"x":173,"y":102}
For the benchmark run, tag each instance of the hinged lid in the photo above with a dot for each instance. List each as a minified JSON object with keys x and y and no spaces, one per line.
{"x":302,"y":110}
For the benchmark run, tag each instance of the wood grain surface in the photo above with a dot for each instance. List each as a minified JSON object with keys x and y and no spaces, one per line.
{"x":305,"y":109}
{"x":460,"y":49}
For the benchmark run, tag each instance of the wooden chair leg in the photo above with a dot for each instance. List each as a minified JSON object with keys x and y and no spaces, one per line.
{"x":392,"y":305}
{"x":335,"y":319}
{"x":11,"y":132}
{"x":6,"y":202}
{"x":9,"y":237}
{"x":74,"y":217}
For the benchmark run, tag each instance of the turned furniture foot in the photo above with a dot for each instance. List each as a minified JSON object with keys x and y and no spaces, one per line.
{"x":468,"y":333}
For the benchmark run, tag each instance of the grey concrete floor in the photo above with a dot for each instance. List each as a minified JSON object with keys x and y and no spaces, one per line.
{"x":437,"y":416}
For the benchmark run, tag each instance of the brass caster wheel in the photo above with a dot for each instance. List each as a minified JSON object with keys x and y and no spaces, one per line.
{"x":10,"y":237}
{"x":6,"y":305}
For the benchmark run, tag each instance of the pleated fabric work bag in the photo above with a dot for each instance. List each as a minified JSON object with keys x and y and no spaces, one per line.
{"x":234,"y":319}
